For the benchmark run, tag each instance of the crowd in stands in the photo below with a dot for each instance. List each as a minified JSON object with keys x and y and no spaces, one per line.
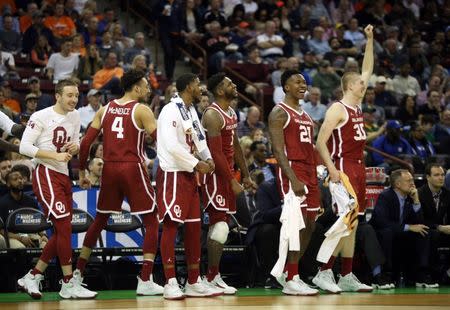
{"x":406,"y":106}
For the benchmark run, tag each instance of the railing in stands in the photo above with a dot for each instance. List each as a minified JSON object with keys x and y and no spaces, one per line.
{"x":393,"y":158}
{"x":203,"y":67}
{"x":260,"y":99}
{"x":153,"y":27}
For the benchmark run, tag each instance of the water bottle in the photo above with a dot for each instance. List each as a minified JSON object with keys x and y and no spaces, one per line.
{"x":206,"y":218}
{"x":401,"y":280}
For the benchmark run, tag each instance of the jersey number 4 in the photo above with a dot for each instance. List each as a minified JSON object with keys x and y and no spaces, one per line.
{"x":360,"y":132}
{"x":117,"y":126}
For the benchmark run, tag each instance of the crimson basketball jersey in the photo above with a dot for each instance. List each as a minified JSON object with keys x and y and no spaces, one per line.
{"x":348,"y":139}
{"x":227,"y":132}
{"x":123,"y":141}
{"x":298,"y":135}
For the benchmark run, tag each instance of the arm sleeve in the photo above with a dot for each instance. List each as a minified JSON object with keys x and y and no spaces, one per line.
{"x":222,"y":167}
{"x":206,"y":154}
{"x":32,"y":131}
{"x":417,"y":207}
{"x":377,"y":157}
{"x":51,"y":62}
{"x":90,"y":136}
{"x":6,"y":123}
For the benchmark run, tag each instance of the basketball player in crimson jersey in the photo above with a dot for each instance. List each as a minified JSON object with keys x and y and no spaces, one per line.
{"x":220,"y":187}
{"x":51,"y":138}
{"x":292,"y":131}
{"x":124,"y":123}
{"x":343,"y":130}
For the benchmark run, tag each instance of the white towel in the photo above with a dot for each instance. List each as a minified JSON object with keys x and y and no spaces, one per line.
{"x":291,"y":223}
{"x":345,"y":204}
{"x":191,"y":124}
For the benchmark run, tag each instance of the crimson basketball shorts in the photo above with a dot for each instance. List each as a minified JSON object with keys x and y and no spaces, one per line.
{"x":307,"y":174}
{"x":218,"y":198}
{"x":356,"y":172}
{"x":128,"y":180}
{"x":177,"y":195}
{"x":53,"y":191}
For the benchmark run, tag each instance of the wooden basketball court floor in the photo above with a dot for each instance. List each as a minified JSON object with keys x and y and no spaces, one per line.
{"x":406,"y":298}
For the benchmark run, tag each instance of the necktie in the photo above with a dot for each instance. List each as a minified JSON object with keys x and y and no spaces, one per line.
{"x":436,"y":200}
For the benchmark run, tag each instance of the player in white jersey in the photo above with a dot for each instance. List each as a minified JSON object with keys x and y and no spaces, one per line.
{"x":51,"y":138}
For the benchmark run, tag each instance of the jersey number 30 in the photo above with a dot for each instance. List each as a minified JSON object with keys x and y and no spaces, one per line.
{"x":117,"y":126}
{"x":360,"y":132}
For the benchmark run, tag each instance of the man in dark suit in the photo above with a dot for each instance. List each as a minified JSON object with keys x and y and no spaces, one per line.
{"x":435,"y":201}
{"x":264,"y":232}
{"x":259,"y":153}
{"x":398,"y":220}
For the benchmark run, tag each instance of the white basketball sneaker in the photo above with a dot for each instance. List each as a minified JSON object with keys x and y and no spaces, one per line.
{"x":199,"y":289}
{"x":74,"y":289}
{"x":148,"y":288}
{"x":350,"y":283}
{"x":324,"y":279}
{"x":172,"y":290}
{"x":219,"y":282}
{"x":282,"y":279}
{"x":297,"y":287}
{"x":31,"y":284}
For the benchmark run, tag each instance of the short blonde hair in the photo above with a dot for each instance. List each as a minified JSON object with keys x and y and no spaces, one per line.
{"x":348,"y":78}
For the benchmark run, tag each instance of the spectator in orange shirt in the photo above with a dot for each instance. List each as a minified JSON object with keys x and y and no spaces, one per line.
{"x":108,"y":78}
{"x":26,"y":20}
{"x":10,"y":102}
{"x":10,"y":3}
{"x":61,"y":25}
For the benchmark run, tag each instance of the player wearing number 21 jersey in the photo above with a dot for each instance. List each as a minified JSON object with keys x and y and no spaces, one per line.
{"x":124,"y":123}
{"x":292,"y":131}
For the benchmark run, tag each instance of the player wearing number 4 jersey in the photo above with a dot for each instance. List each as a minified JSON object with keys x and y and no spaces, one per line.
{"x":343,"y":131}
{"x":291,"y":130}
{"x":124,"y":123}
{"x":52,"y":138}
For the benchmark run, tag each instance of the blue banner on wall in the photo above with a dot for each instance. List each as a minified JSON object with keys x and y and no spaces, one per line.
{"x":87,"y":201}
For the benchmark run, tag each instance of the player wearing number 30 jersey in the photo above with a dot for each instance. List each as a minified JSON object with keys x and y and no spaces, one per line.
{"x":124,"y":122}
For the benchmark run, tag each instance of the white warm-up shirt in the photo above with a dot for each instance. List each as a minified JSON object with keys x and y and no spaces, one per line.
{"x":50,"y":131}
{"x":6,"y":123}
{"x":174,"y":152}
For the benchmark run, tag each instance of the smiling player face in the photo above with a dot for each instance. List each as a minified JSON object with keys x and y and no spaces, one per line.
{"x":296,"y":86}
{"x":68,"y":99}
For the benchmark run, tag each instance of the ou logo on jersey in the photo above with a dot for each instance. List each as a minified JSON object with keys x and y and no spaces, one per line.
{"x":220,"y":200}
{"x":177,"y":210}
{"x":60,"y":138}
{"x":60,"y":207}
